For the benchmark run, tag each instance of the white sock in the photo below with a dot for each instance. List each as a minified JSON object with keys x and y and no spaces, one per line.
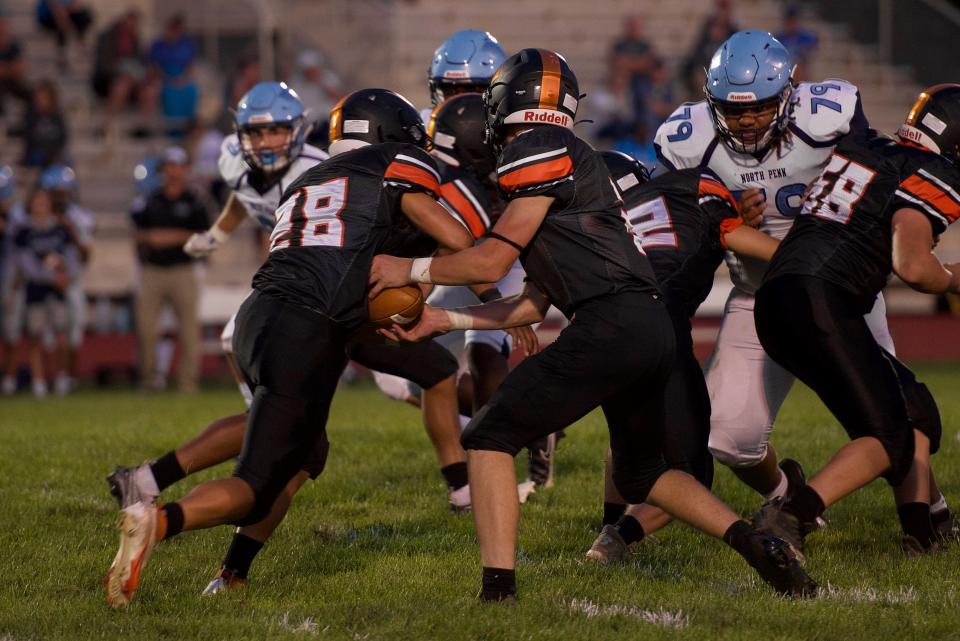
{"x":939,"y":506}
{"x":781,"y":488}
{"x":145,"y":481}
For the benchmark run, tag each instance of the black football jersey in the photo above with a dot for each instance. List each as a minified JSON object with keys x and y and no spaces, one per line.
{"x":466,"y":198}
{"x":843,"y":233}
{"x":335,"y":218}
{"x":584,"y":248}
{"x":681,"y":218}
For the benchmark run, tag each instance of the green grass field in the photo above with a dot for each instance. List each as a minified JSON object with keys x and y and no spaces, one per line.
{"x":371,"y":552}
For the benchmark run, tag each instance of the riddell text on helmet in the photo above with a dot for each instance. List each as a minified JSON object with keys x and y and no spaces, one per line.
{"x":552,"y":117}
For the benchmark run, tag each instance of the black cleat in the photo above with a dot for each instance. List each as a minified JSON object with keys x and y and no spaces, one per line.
{"x":609,"y":547}
{"x":540,"y":461}
{"x":771,"y":519}
{"x":946,"y":525}
{"x":796,"y":479}
{"x":914,"y":549}
{"x":773,"y":561}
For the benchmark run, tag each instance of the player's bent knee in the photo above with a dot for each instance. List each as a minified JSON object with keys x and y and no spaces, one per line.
{"x":734,"y":452}
{"x":484,"y":434}
{"x":924,"y":413}
{"x":634,"y":480}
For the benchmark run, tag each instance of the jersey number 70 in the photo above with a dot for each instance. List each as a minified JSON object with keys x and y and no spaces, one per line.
{"x":312,"y":217}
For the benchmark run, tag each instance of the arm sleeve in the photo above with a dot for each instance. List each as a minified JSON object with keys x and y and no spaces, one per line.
{"x":933,"y":193}
{"x":413,"y":170}
{"x":468,"y":204}
{"x":537,"y":165}
{"x":718,"y":204}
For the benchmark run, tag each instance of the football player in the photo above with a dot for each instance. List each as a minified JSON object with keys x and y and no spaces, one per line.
{"x":309,"y":297}
{"x":685,"y":220}
{"x":61,"y":182}
{"x":563,"y":221}
{"x":766,"y":138}
{"x":11,"y":292}
{"x":432,"y":368}
{"x":877,"y":207}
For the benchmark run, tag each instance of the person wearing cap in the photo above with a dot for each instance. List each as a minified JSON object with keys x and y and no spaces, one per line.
{"x":164,"y":220}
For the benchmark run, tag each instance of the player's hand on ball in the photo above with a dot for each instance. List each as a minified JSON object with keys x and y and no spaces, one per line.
{"x":433,"y":321}
{"x":524,"y":338}
{"x":388,"y":271}
{"x":201,"y":245}
{"x":752,"y":203}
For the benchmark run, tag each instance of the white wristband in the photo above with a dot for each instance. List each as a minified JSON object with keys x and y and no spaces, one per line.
{"x":420,"y":270}
{"x":460,"y":318}
{"x":218,"y":234}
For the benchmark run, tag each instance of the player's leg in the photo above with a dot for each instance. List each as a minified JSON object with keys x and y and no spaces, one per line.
{"x":636,"y":419}
{"x":185,"y":300}
{"x":13,"y":323}
{"x":148,"y":306}
{"x":77,"y":323}
{"x":685,"y":448}
{"x":747,"y":388}
{"x":817,"y":331}
{"x":36,"y":324}
{"x":281,"y":431}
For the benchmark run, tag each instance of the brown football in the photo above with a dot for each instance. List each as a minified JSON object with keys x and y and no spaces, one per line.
{"x":400,"y":305}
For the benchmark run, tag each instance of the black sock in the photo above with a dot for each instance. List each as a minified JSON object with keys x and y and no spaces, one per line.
{"x":498,"y":584}
{"x":806,"y":505}
{"x":174,"y":514}
{"x":242,"y":551}
{"x":915,"y":520}
{"x":612,"y":512}
{"x":630,"y":529}
{"x":455,"y":474}
{"x":166,"y":470}
{"x":737,"y":536}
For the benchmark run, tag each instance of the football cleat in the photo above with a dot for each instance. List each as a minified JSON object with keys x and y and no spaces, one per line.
{"x":123,"y":486}
{"x":225,"y":581}
{"x":540,"y":461}
{"x":771,"y":557}
{"x":459,"y":499}
{"x":914,"y":549}
{"x":772,"y":520}
{"x":796,"y":479}
{"x":137,"y":525}
{"x":609,"y":547}
{"x":946,"y":525}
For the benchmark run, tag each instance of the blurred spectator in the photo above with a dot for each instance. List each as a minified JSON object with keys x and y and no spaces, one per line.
{"x":49,"y":263}
{"x":715,"y":30}
{"x":660,"y":101}
{"x":612,"y":109}
{"x":173,"y":56}
{"x":800,"y":42}
{"x":66,"y":19}
{"x":61,"y":182}
{"x":10,"y":308}
{"x":633,"y":55}
{"x":319,"y":87}
{"x":245,"y":75}
{"x":13,"y":81}
{"x":203,"y":144}
{"x":44,"y":128}
{"x":164,"y":221}
{"x":119,"y":73}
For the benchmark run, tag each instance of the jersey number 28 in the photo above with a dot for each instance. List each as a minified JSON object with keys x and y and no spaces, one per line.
{"x":838,"y":189}
{"x":312,"y":217}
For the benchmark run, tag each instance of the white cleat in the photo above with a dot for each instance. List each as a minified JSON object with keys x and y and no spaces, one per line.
{"x":525,"y":489}
{"x":137,"y":525}
{"x":223,"y":582}
{"x":460,"y":499}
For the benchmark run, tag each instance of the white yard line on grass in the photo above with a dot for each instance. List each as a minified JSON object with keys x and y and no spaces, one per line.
{"x":904,"y":594}
{"x":677,"y":620}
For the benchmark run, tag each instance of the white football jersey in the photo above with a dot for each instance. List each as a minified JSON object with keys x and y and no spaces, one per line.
{"x":236,"y":173}
{"x":822,"y":113}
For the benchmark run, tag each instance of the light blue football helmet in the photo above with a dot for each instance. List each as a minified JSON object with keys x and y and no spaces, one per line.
{"x":464,"y":63}
{"x":751,"y":71}
{"x":58,"y":178}
{"x":271,"y":104}
{"x":8,"y":183}
{"x":147,"y":177}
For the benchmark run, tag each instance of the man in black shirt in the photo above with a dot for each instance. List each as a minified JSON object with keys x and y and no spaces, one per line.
{"x":164,"y":221}
{"x":876,"y":208}
{"x":564,"y":222}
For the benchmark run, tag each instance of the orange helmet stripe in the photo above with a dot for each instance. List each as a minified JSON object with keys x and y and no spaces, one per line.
{"x":922,"y":99}
{"x":336,"y":120}
{"x":549,"y":80}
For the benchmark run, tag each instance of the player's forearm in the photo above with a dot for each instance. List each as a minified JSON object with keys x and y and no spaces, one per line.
{"x":478,"y":264}
{"x":925,"y":273}
{"x":515,"y":311}
{"x":747,"y":241}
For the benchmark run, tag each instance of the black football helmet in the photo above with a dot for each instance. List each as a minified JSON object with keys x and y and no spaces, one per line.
{"x":533,"y":86}
{"x":373,"y":116}
{"x":934,"y":121}
{"x":626,"y":171}
{"x":457,"y":129}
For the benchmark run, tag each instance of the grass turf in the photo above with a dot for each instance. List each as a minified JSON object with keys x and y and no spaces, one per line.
{"x":371,"y":552}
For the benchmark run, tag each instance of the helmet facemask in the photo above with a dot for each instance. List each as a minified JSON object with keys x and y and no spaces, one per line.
{"x":755,"y":140}
{"x":274,"y":158}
